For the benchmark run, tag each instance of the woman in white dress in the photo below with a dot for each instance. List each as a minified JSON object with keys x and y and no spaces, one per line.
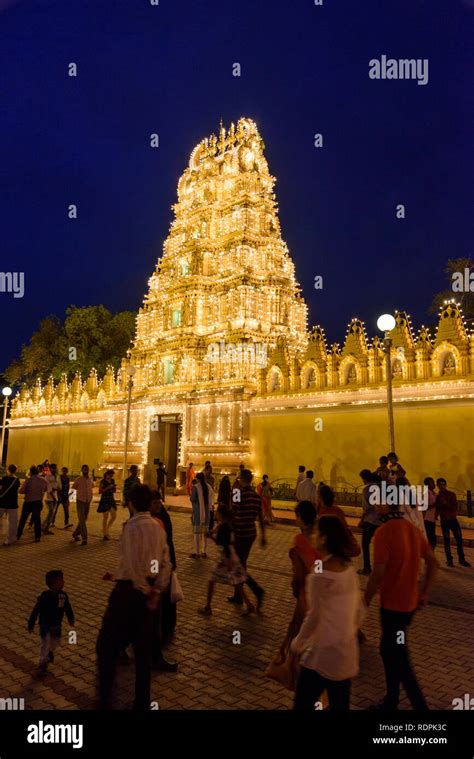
{"x":327,"y":640}
{"x":202,"y":501}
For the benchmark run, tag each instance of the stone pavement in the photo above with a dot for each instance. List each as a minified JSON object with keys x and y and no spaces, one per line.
{"x":214,"y":673}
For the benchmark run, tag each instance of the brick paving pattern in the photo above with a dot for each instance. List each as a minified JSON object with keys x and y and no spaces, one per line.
{"x":214,"y":673}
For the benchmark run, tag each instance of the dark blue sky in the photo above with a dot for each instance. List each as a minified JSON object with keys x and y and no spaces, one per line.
{"x":168,"y":69}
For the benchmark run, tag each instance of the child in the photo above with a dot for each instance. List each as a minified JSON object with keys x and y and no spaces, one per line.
{"x":383,"y":470}
{"x":396,"y":469}
{"x":228,"y":569}
{"x":50,"y":606}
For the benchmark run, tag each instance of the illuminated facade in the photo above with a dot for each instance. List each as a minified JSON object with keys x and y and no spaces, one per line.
{"x":224,"y":360}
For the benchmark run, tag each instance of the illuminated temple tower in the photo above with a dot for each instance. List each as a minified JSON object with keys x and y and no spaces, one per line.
{"x":221,"y":297}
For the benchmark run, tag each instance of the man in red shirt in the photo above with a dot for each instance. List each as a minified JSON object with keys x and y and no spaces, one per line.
{"x":398,"y":549}
{"x":447,"y":508}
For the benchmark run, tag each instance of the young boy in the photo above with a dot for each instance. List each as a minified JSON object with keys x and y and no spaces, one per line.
{"x":396,"y":469}
{"x":51,"y":606}
{"x":383,"y":469}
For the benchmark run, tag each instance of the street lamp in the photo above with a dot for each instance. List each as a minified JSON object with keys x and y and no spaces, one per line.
{"x":386,"y":323}
{"x":6,"y":392}
{"x":130,"y":371}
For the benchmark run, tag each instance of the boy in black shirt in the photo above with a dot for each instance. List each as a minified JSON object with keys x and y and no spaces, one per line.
{"x":51,"y":606}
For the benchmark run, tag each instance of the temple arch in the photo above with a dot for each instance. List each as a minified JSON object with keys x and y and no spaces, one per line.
{"x":310,"y":376}
{"x":446,"y":360}
{"x":274,"y":380}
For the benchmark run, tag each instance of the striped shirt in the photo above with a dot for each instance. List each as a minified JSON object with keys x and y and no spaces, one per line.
{"x":144,"y":553}
{"x":245,"y":513}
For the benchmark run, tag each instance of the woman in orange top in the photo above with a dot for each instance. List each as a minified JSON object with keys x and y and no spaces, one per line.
{"x":284,"y":666}
{"x":302,"y":556}
{"x":190,"y":476}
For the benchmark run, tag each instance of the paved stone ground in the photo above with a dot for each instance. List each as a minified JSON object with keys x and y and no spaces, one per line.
{"x":213,"y":672}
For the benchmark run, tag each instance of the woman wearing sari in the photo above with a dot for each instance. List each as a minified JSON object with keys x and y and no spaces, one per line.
{"x":202,"y":502}
{"x":266,"y":492}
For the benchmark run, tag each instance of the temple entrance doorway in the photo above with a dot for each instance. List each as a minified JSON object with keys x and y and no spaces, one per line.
{"x":163,"y":446}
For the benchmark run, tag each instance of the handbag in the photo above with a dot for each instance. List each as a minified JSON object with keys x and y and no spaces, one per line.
{"x":176,"y":589}
{"x":284,"y":668}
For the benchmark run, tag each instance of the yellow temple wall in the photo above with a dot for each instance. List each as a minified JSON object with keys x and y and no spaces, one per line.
{"x":68,"y":445}
{"x":431,"y":439}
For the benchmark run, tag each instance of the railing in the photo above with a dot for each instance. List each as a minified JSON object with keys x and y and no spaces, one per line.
{"x":346,"y":494}
{"x":351,"y":495}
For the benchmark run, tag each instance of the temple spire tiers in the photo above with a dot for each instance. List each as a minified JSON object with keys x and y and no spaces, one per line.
{"x":225,"y":276}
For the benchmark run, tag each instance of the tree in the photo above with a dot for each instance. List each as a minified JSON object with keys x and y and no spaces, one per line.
{"x":90,"y":336}
{"x":466,"y":298}
{"x":42,"y":353}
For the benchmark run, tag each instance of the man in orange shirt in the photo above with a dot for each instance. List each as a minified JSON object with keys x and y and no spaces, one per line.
{"x":398,"y":550}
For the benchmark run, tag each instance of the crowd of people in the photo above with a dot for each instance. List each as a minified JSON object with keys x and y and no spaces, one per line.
{"x":319,"y":656}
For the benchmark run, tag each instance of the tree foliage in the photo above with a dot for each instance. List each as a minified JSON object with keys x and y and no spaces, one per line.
{"x":88,"y":337}
{"x":466,"y":298}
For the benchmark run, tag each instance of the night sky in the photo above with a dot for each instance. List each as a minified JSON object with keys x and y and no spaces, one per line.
{"x":168,"y":69}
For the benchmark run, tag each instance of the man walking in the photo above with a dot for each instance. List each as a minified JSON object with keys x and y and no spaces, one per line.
{"x":301,"y":476}
{"x":307,"y":490}
{"x":398,"y":549}
{"x":447,"y":508}
{"x":246,"y":508}
{"x":9,"y":486}
{"x":34,"y":489}
{"x":53,"y":483}
{"x":83,"y":487}
{"x":129,"y":483}
{"x":144,"y":572}
{"x":370,"y":518}
{"x":63,"y":498}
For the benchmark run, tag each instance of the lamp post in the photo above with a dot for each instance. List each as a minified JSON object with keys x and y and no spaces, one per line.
{"x":130,"y":371}
{"x":386,"y":323}
{"x":6,"y":392}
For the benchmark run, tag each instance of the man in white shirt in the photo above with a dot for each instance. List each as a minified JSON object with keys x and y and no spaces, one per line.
{"x":143,"y":573}
{"x":53,"y":483}
{"x":307,"y":490}
{"x":301,"y":475}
